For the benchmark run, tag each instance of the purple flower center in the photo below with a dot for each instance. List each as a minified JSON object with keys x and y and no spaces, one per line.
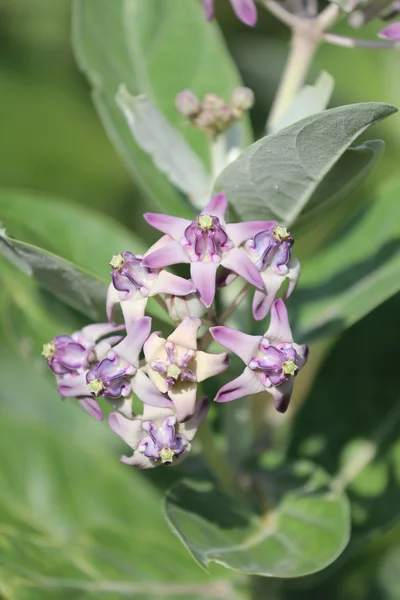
{"x":173,"y":367}
{"x":110,"y":377}
{"x":273,"y":247}
{"x":162,"y":442}
{"x":129,"y":276}
{"x":277,"y":363}
{"x":205,"y":239}
{"x":67,"y":354}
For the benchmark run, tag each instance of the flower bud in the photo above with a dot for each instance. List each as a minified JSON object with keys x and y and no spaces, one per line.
{"x":188,"y":104}
{"x":187,"y":306}
{"x":242,"y":98}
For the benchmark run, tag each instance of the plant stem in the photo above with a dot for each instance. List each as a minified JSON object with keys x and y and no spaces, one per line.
{"x":218,"y":465}
{"x":219,"y":151}
{"x":348,"y":42}
{"x":231,"y":309}
{"x":303,"y":46}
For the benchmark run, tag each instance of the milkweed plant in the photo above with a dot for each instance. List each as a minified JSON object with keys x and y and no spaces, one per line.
{"x":209,"y":337}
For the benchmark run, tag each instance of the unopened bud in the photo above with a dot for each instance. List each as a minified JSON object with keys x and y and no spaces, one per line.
{"x":180,"y":307}
{"x":188,"y":104}
{"x":205,"y":120}
{"x":242,"y":98}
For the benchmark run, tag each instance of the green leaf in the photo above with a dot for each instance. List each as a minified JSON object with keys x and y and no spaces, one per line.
{"x":65,"y":281}
{"x":276,"y":177}
{"x":156,"y":60}
{"x":306,"y":529}
{"x":171,"y":153}
{"x":85,"y":237}
{"x":359,"y":270}
{"x":74,"y":522}
{"x":310,"y":100}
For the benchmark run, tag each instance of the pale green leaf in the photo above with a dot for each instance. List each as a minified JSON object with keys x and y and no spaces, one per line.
{"x":276,"y":177}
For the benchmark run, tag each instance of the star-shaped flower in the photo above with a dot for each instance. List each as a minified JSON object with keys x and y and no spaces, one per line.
{"x":206,"y":243}
{"x":157,"y":437}
{"x":272,"y":360}
{"x":175,"y":366}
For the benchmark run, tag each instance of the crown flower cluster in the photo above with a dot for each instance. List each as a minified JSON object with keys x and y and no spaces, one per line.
{"x":121,"y":365}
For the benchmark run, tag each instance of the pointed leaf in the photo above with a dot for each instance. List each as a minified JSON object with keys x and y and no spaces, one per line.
{"x":171,"y":153}
{"x":306,"y":530}
{"x":276,"y":177}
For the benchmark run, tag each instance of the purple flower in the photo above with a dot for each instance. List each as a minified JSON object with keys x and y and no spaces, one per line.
{"x":157,"y":437}
{"x":391,"y":32}
{"x":133,"y":283}
{"x":175,"y":366}
{"x":72,"y":353}
{"x":271,"y":251}
{"x":272,"y":361}
{"x":206,"y":243}
{"x":245,"y":10}
{"x":117,"y":374}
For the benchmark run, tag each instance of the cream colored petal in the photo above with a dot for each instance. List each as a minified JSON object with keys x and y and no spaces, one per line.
{"x":184,"y":399}
{"x":152,"y":346}
{"x":186,"y":333}
{"x":208,"y":365}
{"x":157,"y":379}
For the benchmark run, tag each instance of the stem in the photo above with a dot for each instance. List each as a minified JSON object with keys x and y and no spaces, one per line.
{"x":280,"y":12}
{"x":218,"y":465}
{"x":231,"y":309}
{"x":348,"y":42}
{"x":303,"y":46}
{"x":219,"y":152}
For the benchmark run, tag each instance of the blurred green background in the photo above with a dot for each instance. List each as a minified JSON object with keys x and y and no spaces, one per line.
{"x":52,"y":141}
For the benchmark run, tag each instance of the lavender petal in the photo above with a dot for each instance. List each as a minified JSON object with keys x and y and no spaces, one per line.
{"x":172,"y":226}
{"x":247,"y":384}
{"x":242,"y":344}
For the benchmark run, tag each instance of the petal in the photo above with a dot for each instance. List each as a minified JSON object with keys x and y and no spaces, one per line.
{"x":133,"y":310}
{"x":208,"y":9}
{"x":261,"y":304}
{"x":129,"y":430}
{"x":203,"y":276}
{"x":172,"y":226}
{"x":71,"y":387}
{"x":186,"y":333}
{"x":173,"y":254}
{"x":98,"y":330}
{"x":184,"y":399}
{"x":391,"y":32}
{"x":217,"y":206}
{"x":293,"y":275}
{"x":131,"y":346}
{"x":190,"y":427}
{"x":247,"y":384}
{"x":156,"y":414}
{"x":240,"y":232}
{"x":239,"y":263}
{"x":161,"y":243}
{"x":302,"y":354}
{"x":242,"y":344}
{"x":246,"y":11}
{"x":208,"y":365}
{"x":152,"y":346}
{"x":145,"y":389}
{"x":140,"y":461}
{"x":113,"y":298}
{"x":92,"y":407}
{"x":279,"y":328}
{"x":167,"y":283}
{"x":282,"y":394}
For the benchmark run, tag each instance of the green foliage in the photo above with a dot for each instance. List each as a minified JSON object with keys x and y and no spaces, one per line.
{"x":276,"y":176}
{"x":305,"y":526}
{"x":157,"y":61}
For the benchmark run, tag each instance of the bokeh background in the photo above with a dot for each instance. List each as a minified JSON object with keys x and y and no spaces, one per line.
{"x":52,"y":141}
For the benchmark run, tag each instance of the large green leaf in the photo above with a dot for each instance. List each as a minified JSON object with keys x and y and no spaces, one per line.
{"x":85,"y":237}
{"x":74,"y":522}
{"x":304,"y":528}
{"x":359,"y":270}
{"x":276,"y":177}
{"x":157,"y":49}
